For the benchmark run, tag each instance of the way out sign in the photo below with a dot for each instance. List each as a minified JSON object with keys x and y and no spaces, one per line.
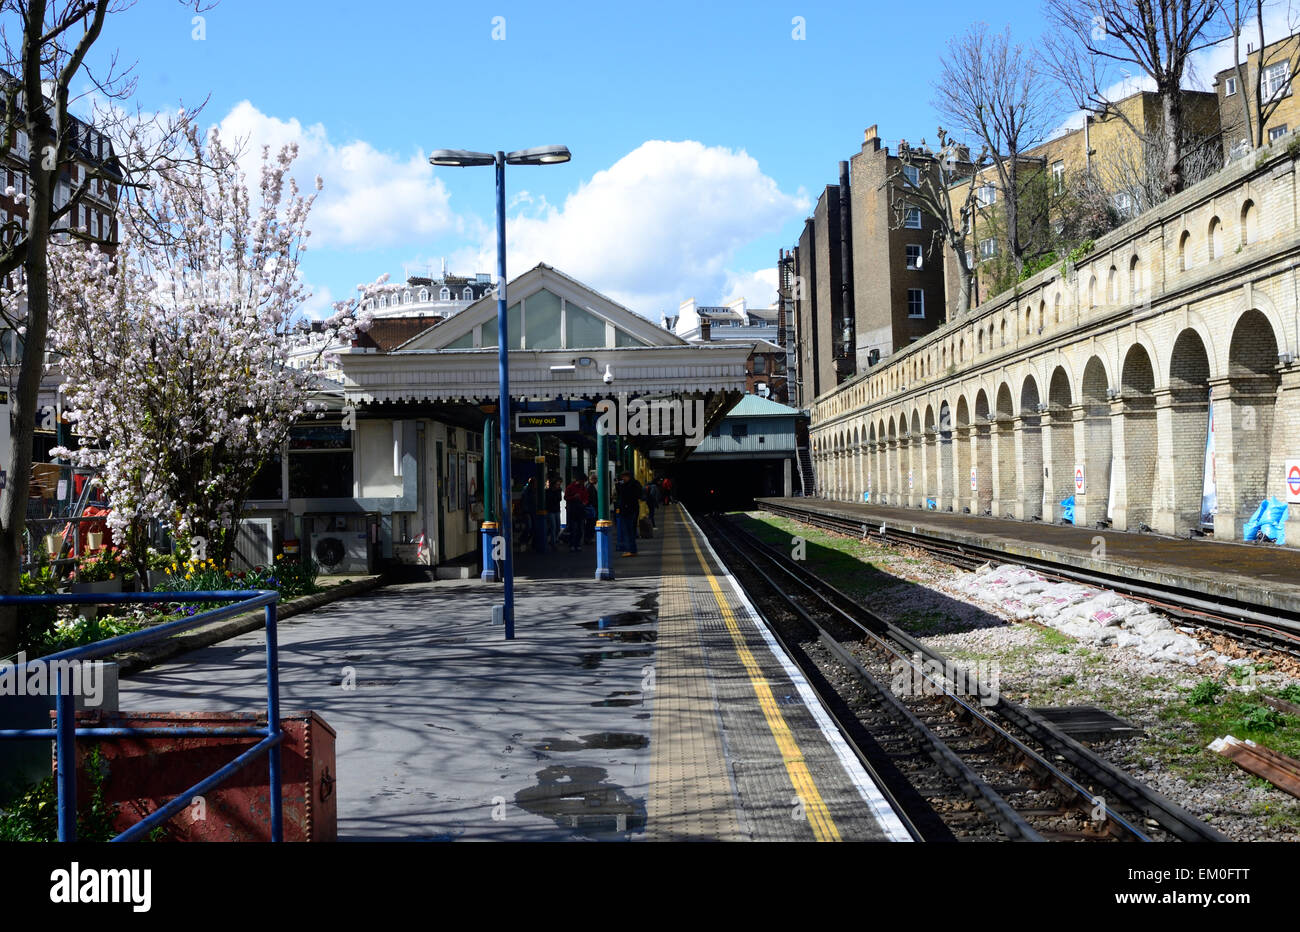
{"x":1293,"y":482}
{"x":1079,"y":485}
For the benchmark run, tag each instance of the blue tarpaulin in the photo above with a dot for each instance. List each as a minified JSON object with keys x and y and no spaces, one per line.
{"x":1067,"y":509}
{"x":931,"y":504}
{"x":1269,"y":519}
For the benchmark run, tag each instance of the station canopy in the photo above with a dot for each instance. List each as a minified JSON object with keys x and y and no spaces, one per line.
{"x":570,"y":347}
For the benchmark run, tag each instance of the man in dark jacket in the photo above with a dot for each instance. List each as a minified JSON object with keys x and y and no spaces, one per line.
{"x":652,"y":497}
{"x":628,"y":497}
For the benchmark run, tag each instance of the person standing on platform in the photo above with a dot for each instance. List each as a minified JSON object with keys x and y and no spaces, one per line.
{"x":652,"y":497}
{"x":628,"y":497}
{"x":553,"y":496}
{"x":593,"y":499}
{"x":575,"y":503}
{"x":527,"y":510}
{"x":668,"y":490}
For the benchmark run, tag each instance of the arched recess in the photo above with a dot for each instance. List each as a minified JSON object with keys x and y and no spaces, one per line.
{"x":1029,"y":443}
{"x":1004,"y":454}
{"x":1244,"y":441}
{"x":1059,"y":447}
{"x":1184,"y":251}
{"x":961,"y":448}
{"x":859,"y":481}
{"x":981,"y":438}
{"x":916,"y":460}
{"x":1094,"y":502}
{"x":945,"y":479}
{"x":1214,"y":239}
{"x":930,"y":485}
{"x":1249,"y":223}
{"x":873,"y":464}
{"x":1136,"y":286}
{"x":1141,"y":451}
{"x":1189,"y":391}
{"x":891,"y":464}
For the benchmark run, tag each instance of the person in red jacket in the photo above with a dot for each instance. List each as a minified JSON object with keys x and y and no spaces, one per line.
{"x":668,"y":490}
{"x":575,"y":505}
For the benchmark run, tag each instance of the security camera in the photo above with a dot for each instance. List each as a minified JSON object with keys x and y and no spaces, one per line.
{"x":609,"y":376}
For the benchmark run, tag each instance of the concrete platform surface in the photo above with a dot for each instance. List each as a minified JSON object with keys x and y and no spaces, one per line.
{"x":1264,"y":575}
{"x":651,"y":707}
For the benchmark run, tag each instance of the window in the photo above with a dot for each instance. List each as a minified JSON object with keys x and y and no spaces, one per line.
{"x":1230,"y":87}
{"x":988,"y":248}
{"x":445,"y":294}
{"x":739,"y":431}
{"x":912,"y":218}
{"x":915,"y":302}
{"x":1277,"y":80}
{"x":424,"y":295}
{"x":467,"y":294}
{"x":760,"y":365}
{"x":542,"y":320}
{"x":320,"y":462}
{"x":1123,"y":204}
{"x":1058,"y":177}
{"x":1275,"y":131}
{"x":913,"y":256}
{"x":912,"y":175}
{"x":987,"y":194}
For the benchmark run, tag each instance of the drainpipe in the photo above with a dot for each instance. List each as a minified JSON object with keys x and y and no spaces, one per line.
{"x":846,"y":271}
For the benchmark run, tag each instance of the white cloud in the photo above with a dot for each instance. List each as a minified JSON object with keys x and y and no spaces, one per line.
{"x":370,"y":199}
{"x":757,"y":288}
{"x":661,"y":224}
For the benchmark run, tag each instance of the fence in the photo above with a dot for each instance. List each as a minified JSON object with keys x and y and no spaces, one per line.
{"x":65,"y":730}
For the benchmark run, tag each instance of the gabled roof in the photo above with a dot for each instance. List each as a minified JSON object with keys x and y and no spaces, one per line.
{"x":542,"y":276}
{"x":754,"y":406}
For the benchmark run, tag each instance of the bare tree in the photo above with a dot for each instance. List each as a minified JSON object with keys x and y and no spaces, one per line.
{"x":1257,"y":107}
{"x":45,"y":44}
{"x":1093,"y":40}
{"x":992,"y":90}
{"x":923,"y":182}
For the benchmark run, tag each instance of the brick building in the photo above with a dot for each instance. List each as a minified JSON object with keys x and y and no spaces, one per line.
{"x":1238,"y":89}
{"x":868,"y":281}
{"x":1105,"y":149}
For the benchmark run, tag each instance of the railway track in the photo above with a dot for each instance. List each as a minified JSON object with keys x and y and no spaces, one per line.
{"x":1252,"y":625}
{"x":958,"y":760}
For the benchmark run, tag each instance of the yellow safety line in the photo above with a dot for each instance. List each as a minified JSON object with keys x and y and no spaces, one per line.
{"x":819,"y":816}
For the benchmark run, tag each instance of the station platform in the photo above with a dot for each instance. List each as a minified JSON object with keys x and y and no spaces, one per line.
{"x":1262,"y":574}
{"x":652,"y":707}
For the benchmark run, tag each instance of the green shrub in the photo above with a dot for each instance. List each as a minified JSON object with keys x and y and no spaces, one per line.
{"x":35,"y":816}
{"x":1205,"y":693}
{"x":1261,"y":718}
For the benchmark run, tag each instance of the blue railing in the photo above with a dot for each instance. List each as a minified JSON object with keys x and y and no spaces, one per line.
{"x":65,"y":730}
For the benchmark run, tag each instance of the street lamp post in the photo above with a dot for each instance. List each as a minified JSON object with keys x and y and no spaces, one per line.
{"x":542,"y":155}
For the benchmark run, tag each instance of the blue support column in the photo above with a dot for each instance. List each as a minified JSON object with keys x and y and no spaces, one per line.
{"x":273,"y":722}
{"x":65,"y":724}
{"x":604,"y":552}
{"x":489,"y":526}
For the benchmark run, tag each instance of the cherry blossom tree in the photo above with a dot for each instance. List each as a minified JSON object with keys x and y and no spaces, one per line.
{"x":186,"y":356}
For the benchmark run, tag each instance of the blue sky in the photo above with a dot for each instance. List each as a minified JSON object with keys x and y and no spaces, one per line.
{"x":701,"y":134}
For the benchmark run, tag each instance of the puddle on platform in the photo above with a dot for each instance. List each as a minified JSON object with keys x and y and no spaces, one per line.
{"x":604,"y":740}
{"x":579,"y":798}
{"x":591,"y":659}
{"x":618,"y":620}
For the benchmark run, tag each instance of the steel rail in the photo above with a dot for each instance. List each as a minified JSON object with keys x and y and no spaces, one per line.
{"x":1135,"y":795}
{"x":1278,"y":629}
